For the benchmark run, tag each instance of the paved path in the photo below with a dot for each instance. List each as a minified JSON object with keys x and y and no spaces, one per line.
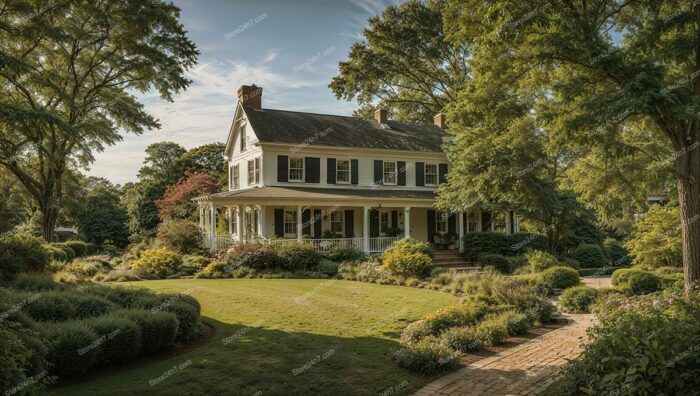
{"x":527,"y":369}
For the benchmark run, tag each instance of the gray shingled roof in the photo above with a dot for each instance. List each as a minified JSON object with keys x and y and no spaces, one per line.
{"x":280,"y":126}
{"x":322,"y":193}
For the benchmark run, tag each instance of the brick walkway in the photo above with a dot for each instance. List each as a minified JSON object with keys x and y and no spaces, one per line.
{"x":527,"y":369}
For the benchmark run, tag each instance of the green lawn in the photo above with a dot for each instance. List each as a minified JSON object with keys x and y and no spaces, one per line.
{"x":284,"y":337}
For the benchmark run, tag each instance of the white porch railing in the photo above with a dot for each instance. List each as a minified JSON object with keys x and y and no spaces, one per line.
{"x":380,"y":244}
{"x":376,"y":245}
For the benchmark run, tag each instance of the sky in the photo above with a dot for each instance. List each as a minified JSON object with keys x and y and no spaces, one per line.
{"x":291,"y":48}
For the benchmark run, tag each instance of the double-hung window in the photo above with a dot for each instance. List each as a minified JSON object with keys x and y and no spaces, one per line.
{"x":254,"y":171}
{"x":244,"y":139}
{"x":235,"y":178}
{"x":441,"y":221}
{"x":389,"y":173}
{"x":383,"y":222}
{"x":431,"y":174}
{"x":499,"y":222}
{"x":290,"y":222}
{"x":342,"y":171}
{"x":296,"y":169}
{"x":337,"y":223}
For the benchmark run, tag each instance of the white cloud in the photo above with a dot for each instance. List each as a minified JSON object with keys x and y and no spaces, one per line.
{"x":270,"y":56}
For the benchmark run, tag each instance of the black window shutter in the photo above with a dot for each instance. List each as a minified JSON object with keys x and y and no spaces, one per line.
{"x":282,"y":168}
{"x":374,"y":223}
{"x":279,"y":222}
{"x":306,"y":222}
{"x":452,"y":224}
{"x":431,"y":225}
{"x":330,"y":179}
{"x":312,"y":169}
{"x":317,"y":223}
{"x":401,"y":165}
{"x":442,"y":171}
{"x":349,"y":223}
{"x":378,"y":172}
{"x":394,"y":219}
{"x":354,"y":172}
{"x":420,"y":174}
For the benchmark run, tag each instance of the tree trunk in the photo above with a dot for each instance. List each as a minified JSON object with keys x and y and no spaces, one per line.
{"x":48,"y":221}
{"x":688,"y":176}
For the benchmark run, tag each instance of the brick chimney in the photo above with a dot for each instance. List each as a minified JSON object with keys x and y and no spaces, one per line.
{"x":381,"y":116}
{"x":250,"y":95}
{"x":440,"y":121}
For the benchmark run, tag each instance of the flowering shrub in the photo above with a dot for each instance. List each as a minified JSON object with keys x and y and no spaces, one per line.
{"x":399,"y":262}
{"x":160,"y":262}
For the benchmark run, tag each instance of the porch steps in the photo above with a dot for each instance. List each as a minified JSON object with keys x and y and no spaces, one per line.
{"x":454,"y":260}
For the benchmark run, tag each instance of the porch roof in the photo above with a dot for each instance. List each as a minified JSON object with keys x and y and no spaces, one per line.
{"x":318,"y":194}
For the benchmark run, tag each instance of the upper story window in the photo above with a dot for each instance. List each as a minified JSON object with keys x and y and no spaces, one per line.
{"x":235,"y":177}
{"x":296,"y":169}
{"x":389,"y":172}
{"x":254,"y":171}
{"x":342,"y":171}
{"x":244,"y":139}
{"x":431,"y":174}
{"x":441,"y":221}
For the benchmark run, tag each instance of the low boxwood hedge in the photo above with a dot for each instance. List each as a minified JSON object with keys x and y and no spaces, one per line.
{"x":68,"y":345}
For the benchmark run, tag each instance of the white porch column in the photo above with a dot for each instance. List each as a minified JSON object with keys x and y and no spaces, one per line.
{"x":212,"y":228}
{"x":300,"y":227}
{"x":239,"y":222}
{"x":262,"y":222}
{"x":407,"y":221}
{"x":460,"y":219}
{"x":365,"y":229}
{"x":230,"y":220}
{"x":201,"y":216}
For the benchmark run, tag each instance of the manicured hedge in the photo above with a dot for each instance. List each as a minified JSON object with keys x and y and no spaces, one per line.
{"x":560,"y":277}
{"x":22,"y":253}
{"x":49,"y":306}
{"x":500,"y":262}
{"x":299,"y":257}
{"x":590,"y":256}
{"x":476,"y":243}
{"x":119,"y":339}
{"x":157,"y":329}
{"x":69,"y":349}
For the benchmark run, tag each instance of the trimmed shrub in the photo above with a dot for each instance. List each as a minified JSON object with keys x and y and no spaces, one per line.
{"x":49,"y":306}
{"x":345,"y":254}
{"x":185,"y":298}
{"x":616,"y":250}
{"x":328,"y":268}
{"x":500,"y":263}
{"x":578,"y":299}
{"x":157,"y":329}
{"x":560,"y":277}
{"x":540,"y":261}
{"x":409,"y":245}
{"x":125,"y":297}
{"x":160,"y":262}
{"x":119,"y":339}
{"x":79,"y":247}
{"x":253,"y":255}
{"x":621,"y":276}
{"x":56,"y":253}
{"x":517,"y":323}
{"x":87,"y":306}
{"x":67,"y":250}
{"x":182,"y":236}
{"x":401,"y":262}
{"x":187,"y":318}
{"x":462,"y":339}
{"x":476,"y":243}
{"x":458,"y":315}
{"x":493,"y":330}
{"x":35,"y":282}
{"x":69,"y":349}
{"x":427,"y":357}
{"x":643,"y":283}
{"x":299,"y":257}
{"x":22,"y":253}
{"x":590,"y":256}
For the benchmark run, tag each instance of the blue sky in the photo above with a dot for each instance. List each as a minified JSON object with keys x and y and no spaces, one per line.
{"x":289,"y":47}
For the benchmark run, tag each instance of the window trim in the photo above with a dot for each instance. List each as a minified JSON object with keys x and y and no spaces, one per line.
{"x":381,"y":221}
{"x":243,"y":137}
{"x":440,"y":218}
{"x":236,"y":177}
{"x":341,"y":221}
{"x":395,"y":172}
{"x":425,"y":174}
{"x":284,"y":220}
{"x":255,"y":170}
{"x":289,"y":170}
{"x":348,"y":171}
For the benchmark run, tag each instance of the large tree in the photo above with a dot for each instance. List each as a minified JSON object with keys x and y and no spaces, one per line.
{"x":404,"y":63}
{"x":600,"y":65}
{"x":69,"y":71}
{"x":208,"y":159}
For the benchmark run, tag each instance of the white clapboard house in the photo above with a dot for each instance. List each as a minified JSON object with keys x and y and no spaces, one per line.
{"x":329,"y":180}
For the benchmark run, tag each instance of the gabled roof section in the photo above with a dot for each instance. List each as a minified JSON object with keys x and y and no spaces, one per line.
{"x":291,"y":127}
{"x":238,"y":117}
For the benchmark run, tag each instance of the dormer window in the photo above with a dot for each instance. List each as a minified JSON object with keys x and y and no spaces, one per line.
{"x":244,"y":140}
{"x":389,"y":173}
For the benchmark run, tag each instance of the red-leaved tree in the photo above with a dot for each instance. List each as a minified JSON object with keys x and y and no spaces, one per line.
{"x":177,"y":200}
